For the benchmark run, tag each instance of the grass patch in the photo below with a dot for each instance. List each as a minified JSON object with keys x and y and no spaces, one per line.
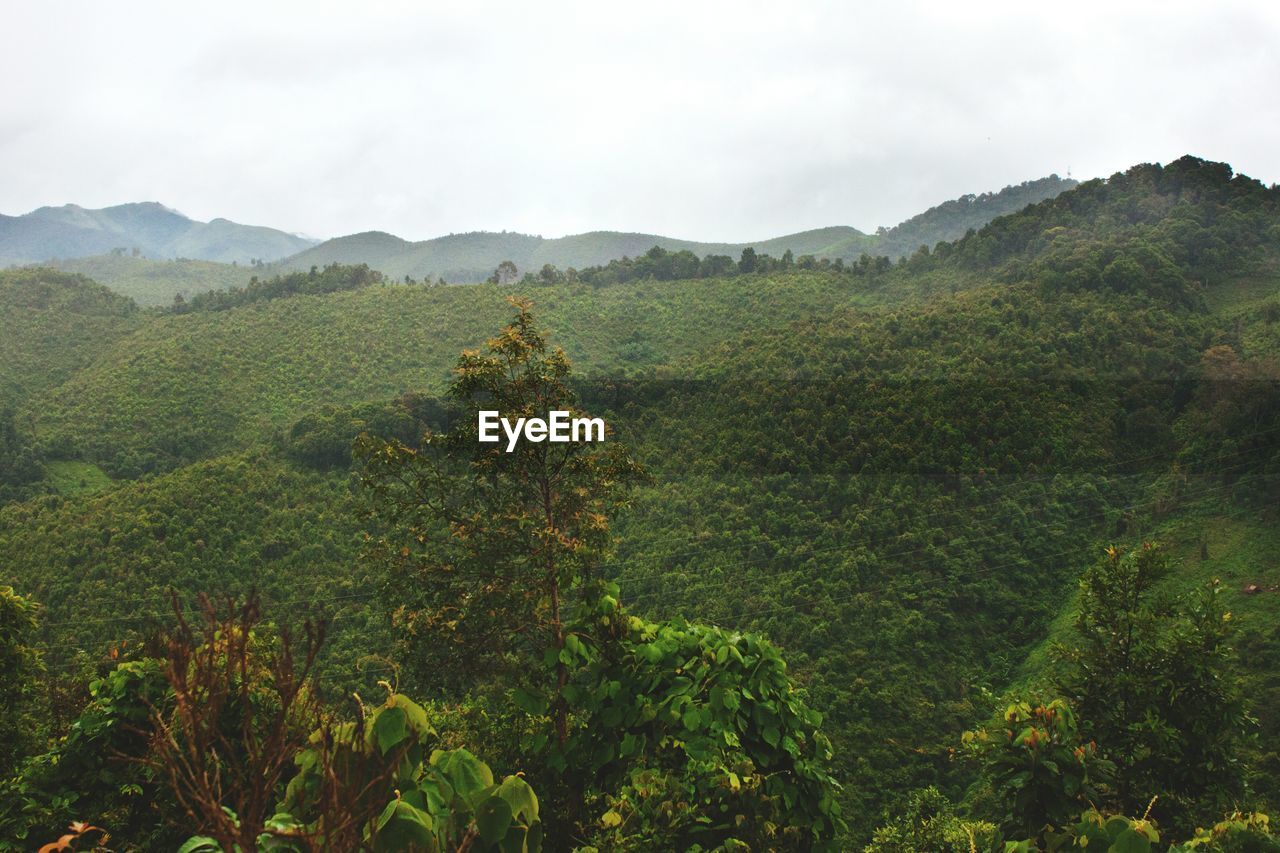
{"x":76,"y":478}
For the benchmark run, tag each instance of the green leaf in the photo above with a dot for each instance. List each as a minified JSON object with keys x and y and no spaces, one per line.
{"x":529,"y":702}
{"x":493,"y":819}
{"x":466,"y":773}
{"x":515,"y":841}
{"x":414,"y":714}
{"x":1130,"y":841}
{"x":401,"y":827}
{"x":390,"y":727}
{"x":692,"y":720}
{"x":437,"y":790}
{"x":521,"y":798}
{"x":200,"y":844}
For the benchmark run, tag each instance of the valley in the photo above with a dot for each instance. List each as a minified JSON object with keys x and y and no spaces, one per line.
{"x":896,"y":473}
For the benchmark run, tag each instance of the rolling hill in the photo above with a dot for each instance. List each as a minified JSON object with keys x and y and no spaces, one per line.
{"x":152,"y":283}
{"x":179,"y":256}
{"x":472,"y":257}
{"x":898,"y":476}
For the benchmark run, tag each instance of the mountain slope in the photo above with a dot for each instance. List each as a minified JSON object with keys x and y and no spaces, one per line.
{"x":473,"y":256}
{"x":952,"y":219}
{"x":156,"y":231}
{"x":902,"y":497}
{"x":52,"y":325}
{"x":155,"y":283}
{"x":185,"y":387}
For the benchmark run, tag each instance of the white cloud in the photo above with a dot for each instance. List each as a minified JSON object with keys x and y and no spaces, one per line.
{"x":703,"y":120}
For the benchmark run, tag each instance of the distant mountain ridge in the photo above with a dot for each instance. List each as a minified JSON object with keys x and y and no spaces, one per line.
{"x":156,"y":231}
{"x":472,"y":256}
{"x":79,"y":238}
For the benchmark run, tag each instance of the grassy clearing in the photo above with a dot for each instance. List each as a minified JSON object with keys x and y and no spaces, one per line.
{"x":70,"y":478}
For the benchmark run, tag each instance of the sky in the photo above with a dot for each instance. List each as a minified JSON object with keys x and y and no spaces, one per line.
{"x":702,"y":120}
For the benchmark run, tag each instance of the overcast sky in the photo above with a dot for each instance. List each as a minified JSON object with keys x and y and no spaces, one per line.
{"x":715,"y":121}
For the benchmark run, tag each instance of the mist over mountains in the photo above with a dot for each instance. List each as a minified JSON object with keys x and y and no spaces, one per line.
{"x":152,"y":231}
{"x":146,"y":228}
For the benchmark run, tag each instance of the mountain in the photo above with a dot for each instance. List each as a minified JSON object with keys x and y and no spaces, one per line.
{"x":71,"y":231}
{"x":951,"y":220}
{"x":100,"y":243}
{"x":473,"y":256}
{"x":896,"y":472}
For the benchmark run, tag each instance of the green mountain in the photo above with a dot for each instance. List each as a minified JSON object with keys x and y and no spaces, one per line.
{"x":53,"y":325}
{"x":150,"y":228}
{"x":181,"y":257}
{"x":895,"y":472}
{"x":951,"y":220}
{"x":473,"y":257}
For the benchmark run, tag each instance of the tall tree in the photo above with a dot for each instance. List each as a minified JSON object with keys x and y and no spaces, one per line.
{"x":487,"y":543}
{"x":1153,"y":681}
{"x":505,"y":273}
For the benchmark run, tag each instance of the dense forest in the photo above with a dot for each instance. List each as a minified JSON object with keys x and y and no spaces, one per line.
{"x":967,"y":547}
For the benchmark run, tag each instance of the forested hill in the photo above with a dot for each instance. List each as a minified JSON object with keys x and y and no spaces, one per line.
{"x":164,"y":268}
{"x":472,"y":257}
{"x":895,"y":472}
{"x":952,"y":219}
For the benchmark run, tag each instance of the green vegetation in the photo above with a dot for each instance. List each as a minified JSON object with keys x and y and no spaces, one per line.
{"x":1149,"y":677}
{"x":156,"y":283}
{"x":156,"y":401}
{"x":52,"y":325}
{"x":471,"y":257}
{"x":74,"y":478}
{"x":332,"y":279}
{"x":893,"y":476}
{"x":951,"y":220}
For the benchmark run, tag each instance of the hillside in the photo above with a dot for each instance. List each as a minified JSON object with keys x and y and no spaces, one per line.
{"x":897,"y":475}
{"x":52,"y":325}
{"x":71,"y":231}
{"x":177,"y":255}
{"x":466,"y":258}
{"x":157,"y":402}
{"x":460,"y":258}
{"x":155,"y":283}
{"x":952,"y":219}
